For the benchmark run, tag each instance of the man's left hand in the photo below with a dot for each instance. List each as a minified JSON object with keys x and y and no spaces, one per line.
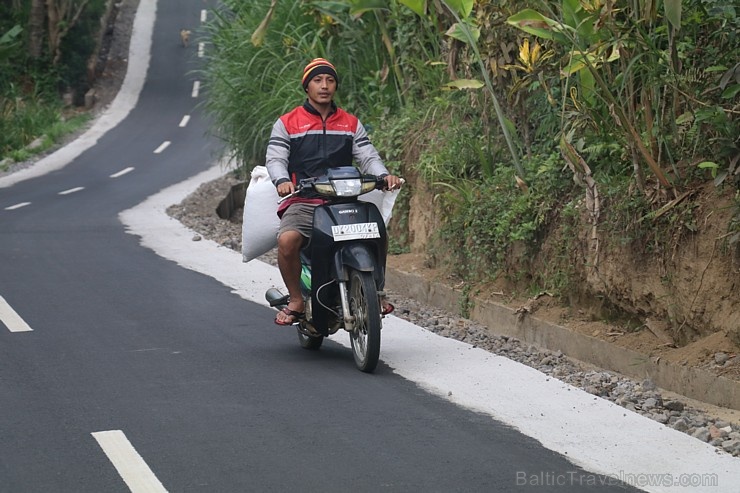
{"x":393,"y":182}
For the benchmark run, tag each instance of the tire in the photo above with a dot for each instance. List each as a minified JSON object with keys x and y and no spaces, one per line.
{"x":365,"y":307}
{"x":310,"y":342}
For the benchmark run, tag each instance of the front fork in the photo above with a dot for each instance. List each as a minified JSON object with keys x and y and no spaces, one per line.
{"x":349,"y":319}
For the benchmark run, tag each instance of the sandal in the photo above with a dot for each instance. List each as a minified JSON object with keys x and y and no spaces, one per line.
{"x":291,"y":313}
{"x":387,"y":309}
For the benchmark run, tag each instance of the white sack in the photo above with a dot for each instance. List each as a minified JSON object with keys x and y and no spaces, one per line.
{"x":383,"y":200}
{"x":260,"y":223}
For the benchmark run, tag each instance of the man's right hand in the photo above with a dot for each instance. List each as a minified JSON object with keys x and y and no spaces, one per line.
{"x":285,"y":188}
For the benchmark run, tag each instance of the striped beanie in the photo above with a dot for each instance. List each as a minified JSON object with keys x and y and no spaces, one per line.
{"x":316,"y":67}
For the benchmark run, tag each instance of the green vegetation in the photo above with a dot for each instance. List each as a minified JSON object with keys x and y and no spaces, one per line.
{"x":46,"y":50}
{"x":517,"y":115}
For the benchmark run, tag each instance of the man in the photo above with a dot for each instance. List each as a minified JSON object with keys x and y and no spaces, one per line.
{"x":304,"y":143}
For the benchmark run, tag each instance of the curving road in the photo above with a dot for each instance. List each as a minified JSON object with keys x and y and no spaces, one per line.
{"x":133,"y":359}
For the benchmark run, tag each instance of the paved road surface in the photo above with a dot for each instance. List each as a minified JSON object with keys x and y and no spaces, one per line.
{"x":134,"y":359}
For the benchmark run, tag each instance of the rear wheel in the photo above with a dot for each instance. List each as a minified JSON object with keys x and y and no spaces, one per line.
{"x":365,"y":308}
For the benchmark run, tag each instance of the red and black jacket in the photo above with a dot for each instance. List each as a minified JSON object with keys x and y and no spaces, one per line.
{"x":303,"y":145}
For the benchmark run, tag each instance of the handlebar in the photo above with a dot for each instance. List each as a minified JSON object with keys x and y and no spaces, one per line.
{"x":283,"y":199}
{"x":308,"y":183}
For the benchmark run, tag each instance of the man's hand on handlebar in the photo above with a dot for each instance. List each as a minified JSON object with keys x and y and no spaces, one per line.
{"x":285,"y":188}
{"x":393,"y":182}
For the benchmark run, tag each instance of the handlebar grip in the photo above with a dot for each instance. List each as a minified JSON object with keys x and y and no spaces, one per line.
{"x":380,"y":183}
{"x":283,"y":199}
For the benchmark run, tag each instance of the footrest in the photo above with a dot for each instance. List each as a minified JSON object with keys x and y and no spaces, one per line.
{"x":280,"y":301}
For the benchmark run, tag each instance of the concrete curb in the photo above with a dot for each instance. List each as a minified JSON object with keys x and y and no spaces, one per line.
{"x":501,"y":320}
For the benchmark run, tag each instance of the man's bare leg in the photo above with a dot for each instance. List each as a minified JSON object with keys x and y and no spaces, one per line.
{"x":289,"y":262}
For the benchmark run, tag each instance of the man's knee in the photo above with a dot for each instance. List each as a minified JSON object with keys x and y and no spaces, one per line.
{"x":290,"y":241}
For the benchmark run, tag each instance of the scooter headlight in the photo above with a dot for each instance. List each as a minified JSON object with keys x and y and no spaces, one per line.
{"x":324,"y":189}
{"x":368,"y":186}
{"x":347,"y":188}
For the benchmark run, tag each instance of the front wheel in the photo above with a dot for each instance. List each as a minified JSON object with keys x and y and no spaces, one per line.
{"x":365,"y":308}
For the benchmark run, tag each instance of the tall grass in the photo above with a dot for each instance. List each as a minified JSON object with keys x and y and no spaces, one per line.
{"x":249,"y":86}
{"x":23,"y":120}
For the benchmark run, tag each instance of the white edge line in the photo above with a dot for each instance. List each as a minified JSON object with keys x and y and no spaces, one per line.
{"x":17,"y":206}
{"x":133,"y":470}
{"x":122,"y":172}
{"x":11,"y":319}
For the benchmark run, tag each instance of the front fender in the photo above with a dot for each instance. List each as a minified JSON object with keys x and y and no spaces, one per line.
{"x":360,"y":257}
{"x":356,"y":256}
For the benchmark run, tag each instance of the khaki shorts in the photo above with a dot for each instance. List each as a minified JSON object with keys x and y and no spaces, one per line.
{"x":298,"y":217}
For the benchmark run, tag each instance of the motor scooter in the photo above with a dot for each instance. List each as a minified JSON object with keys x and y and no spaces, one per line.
{"x":342,"y":266}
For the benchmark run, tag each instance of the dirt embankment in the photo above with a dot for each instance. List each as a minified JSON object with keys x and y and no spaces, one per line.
{"x":678,"y":299}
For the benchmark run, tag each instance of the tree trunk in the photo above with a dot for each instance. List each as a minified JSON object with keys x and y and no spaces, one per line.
{"x":53,"y":17}
{"x":36,"y":32}
{"x":62,"y":16}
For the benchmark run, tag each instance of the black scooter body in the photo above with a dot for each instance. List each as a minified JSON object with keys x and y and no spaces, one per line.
{"x":328,"y":257}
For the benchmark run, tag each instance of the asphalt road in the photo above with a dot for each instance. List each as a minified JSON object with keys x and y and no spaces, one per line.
{"x":122,"y":370}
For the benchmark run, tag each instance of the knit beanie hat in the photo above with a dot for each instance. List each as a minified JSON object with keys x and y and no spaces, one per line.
{"x":316,"y":67}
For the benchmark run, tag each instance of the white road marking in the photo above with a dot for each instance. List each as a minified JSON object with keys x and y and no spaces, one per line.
{"x":71,"y":190}
{"x":592,"y":432}
{"x":184,"y":121}
{"x":129,"y":464}
{"x":11,"y":319}
{"x":203,"y":15}
{"x":162,"y":147}
{"x":17,"y":206}
{"x":196,"y":88}
{"x":122,"y":172}
{"x":201,"y":49}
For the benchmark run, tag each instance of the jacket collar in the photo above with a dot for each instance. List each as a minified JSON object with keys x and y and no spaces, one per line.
{"x":308,"y":107}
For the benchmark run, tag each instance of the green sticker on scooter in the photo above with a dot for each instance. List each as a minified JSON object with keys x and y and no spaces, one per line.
{"x":306,"y":277}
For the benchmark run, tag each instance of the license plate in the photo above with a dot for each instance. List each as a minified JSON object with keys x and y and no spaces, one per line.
{"x":358,"y":231}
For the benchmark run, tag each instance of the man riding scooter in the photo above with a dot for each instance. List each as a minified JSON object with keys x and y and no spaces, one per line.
{"x":304,"y":143}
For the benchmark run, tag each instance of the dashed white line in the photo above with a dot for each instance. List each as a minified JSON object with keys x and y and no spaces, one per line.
{"x":122,"y":172}
{"x":127,"y":461}
{"x":162,"y":147}
{"x":17,"y":206}
{"x":196,"y":88}
{"x":203,"y":14}
{"x":201,"y":49}
{"x":71,"y":190}
{"x":185,"y":120}
{"x":11,"y":319}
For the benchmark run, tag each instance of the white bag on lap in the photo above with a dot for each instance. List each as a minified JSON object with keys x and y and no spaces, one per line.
{"x":260,"y":222}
